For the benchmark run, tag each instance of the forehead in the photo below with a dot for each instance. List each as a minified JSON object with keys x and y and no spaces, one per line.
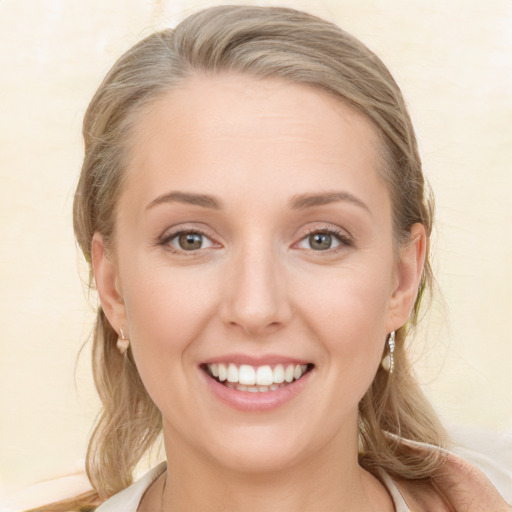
{"x":230,"y":132}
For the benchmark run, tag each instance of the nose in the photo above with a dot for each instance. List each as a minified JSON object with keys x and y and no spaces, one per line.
{"x":256,"y":293}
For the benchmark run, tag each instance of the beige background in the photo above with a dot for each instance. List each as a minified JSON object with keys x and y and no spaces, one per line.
{"x":453,"y":61}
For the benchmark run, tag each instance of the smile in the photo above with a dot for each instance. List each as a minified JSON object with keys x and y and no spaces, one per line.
{"x":256,"y":379}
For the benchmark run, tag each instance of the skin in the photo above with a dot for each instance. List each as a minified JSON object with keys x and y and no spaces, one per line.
{"x":257,"y":286}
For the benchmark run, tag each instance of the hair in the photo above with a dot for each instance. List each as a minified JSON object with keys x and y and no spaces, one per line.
{"x":260,"y":42}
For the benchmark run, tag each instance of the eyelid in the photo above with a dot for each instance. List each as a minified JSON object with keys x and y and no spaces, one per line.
{"x":171,"y":233}
{"x":343,"y":236}
{"x":174,"y":241}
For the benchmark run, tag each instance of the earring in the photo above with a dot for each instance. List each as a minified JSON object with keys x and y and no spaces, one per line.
{"x":388,"y":362}
{"x":122,"y":343}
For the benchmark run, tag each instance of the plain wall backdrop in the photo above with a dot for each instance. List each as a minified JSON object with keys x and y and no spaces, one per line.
{"x":452,"y":59}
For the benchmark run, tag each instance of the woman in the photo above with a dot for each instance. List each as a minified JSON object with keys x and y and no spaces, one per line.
{"x":254,"y":212}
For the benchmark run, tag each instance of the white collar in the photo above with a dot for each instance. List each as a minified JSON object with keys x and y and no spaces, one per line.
{"x":128,"y":500}
{"x":396,"y":495}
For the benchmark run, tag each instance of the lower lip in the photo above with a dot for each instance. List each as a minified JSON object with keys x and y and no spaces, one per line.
{"x":261,"y":401}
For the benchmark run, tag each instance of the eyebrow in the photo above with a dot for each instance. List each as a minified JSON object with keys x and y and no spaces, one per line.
{"x":298,"y":202}
{"x":204,"y":200}
{"x":302,"y":201}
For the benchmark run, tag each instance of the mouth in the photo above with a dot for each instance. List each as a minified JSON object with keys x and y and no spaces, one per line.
{"x":256,"y":379}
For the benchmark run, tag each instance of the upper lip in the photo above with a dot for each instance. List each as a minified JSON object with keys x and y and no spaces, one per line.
{"x":256,"y":360}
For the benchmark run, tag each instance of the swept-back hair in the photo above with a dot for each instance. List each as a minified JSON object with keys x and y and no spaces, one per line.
{"x":260,"y":42}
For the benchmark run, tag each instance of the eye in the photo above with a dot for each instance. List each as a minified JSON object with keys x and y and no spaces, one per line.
{"x":189,"y":241}
{"x":323,"y":240}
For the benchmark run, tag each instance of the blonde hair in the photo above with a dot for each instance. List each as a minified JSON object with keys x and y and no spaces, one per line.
{"x":260,"y":42}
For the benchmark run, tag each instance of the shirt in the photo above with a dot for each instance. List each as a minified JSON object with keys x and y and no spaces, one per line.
{"x":128,"y":500}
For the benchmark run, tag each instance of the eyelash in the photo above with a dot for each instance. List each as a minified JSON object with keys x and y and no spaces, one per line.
{"x":341,"y":236}
{"x":165,"y":240}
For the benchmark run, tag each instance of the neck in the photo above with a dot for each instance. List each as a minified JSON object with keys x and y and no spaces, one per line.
{"x":330,"y":481}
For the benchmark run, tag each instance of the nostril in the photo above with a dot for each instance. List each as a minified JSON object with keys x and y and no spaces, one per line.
{"x":255,"y":302}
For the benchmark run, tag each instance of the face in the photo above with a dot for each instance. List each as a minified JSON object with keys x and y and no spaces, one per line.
{"x":254,"y":247}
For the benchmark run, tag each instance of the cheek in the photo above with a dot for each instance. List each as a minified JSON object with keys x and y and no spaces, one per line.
{"x":166,"y":310}
{"x":347,"y":298}
{"x":348,"y":312}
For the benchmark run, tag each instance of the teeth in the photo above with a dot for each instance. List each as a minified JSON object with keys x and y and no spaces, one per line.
{"x":264,"y":376}
{"x":278,"y":374}
{"x":289,"y":373}
{"x":232,"y":375}
{"x":247,"y":375}
{"x":256,"y":379}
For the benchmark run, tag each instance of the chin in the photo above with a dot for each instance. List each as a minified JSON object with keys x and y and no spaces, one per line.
{"x":262,"y":449}
{"x":255,"y":460}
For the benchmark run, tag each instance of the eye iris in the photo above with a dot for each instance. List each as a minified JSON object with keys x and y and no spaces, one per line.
{"x":320,"y":241}
{"x":190,"y":241}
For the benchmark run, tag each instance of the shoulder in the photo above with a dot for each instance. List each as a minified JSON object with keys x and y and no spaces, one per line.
{"x":459,"y":486}
{"x":128,"y":500}
{"x":465,"y":486}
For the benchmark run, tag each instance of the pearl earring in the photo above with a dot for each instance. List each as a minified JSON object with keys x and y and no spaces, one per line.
{"x":122,"y":343}
{"x":388,"y":362}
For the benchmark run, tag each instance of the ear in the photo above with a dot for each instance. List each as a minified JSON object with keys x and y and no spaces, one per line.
{"x":408,"y":274}
{"x":107,"y":283}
